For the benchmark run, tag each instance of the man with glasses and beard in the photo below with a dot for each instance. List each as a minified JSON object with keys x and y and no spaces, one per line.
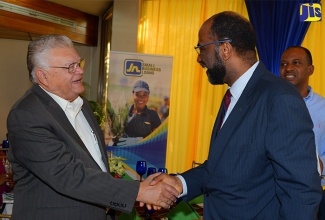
{"x":262,"y":162}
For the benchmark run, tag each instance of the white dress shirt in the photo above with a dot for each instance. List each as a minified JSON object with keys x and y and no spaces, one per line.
{"x":237,"y":89}
{"x":81,"y":125}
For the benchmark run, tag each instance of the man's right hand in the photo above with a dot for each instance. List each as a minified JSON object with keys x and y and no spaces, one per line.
{"x":159,"y":194}
{"x":170,"y":180}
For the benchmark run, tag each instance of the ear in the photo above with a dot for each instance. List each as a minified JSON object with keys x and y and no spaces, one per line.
{"x":41,"y":76}
{"x":226,"y":50}
{"x":311,"y":70}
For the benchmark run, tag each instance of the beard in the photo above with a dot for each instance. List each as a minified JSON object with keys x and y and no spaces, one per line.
{"x":217,"y":73}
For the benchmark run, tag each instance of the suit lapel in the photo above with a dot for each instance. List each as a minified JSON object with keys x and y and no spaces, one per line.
{"x":217,"y":124}
{"x":219,"y":143}
{"x":59,"y":116}
{"x":238,"y":113}
{"x":93,"y":124}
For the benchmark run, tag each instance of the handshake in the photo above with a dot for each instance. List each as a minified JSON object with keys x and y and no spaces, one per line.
{"x":159,"y":190}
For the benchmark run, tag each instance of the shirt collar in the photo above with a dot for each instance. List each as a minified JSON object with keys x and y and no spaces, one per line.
{"x":76,"y":104}
{"x":145,"y":111}
{"x":310,"y":94}
{"x":238,"y":87}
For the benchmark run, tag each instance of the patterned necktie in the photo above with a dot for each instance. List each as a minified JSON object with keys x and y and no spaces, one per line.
{"x":227,"y":100}
{"x":225,"y":104}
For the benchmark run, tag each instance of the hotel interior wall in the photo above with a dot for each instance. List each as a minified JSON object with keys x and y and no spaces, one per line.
{"x":13,"y":69}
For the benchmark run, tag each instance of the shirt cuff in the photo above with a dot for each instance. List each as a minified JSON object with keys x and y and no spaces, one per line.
{"x":323,"y":171}
{"x":184,"y":193}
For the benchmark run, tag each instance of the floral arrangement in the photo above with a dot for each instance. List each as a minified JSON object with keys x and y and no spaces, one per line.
{"x":116,"y":167}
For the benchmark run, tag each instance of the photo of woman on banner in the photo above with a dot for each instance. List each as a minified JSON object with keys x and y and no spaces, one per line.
{"x":141,"y":120}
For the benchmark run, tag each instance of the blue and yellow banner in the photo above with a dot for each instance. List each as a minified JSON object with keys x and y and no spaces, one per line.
{"x":136,"y":81}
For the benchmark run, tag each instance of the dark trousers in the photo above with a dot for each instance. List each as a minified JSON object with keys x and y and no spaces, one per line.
{"x":321,"y":210}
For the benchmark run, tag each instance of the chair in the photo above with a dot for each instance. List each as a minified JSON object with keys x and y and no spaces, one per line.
{"x":5,"y":216}
{"x":6,"y":165}
{"x":195,"y":164}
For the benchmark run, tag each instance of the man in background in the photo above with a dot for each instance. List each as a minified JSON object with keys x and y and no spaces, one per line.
{"x":57,"y":148}
{"x":261,"y":162}
{"x":296,"y":67}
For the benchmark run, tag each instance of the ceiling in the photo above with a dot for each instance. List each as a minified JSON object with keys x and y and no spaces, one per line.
{"x":94,"y":7}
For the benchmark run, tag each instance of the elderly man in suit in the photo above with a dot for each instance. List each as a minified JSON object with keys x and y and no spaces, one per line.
{"x":57,"y":149}
{"x":262,"y":162}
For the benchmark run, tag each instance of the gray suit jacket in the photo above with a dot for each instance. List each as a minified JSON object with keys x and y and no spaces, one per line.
{"x":56,"y":176}
{"x":262,"y":162}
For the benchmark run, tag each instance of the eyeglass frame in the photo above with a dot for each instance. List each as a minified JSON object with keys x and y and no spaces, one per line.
{"x":73,"y":66}
{"x":198,"y":48}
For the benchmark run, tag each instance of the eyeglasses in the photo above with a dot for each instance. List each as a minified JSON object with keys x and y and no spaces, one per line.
{"x":198,"y":48}
{"x":73,"y":66}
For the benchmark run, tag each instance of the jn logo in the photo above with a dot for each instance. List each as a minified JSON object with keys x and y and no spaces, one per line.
{"x":133,"y":67}
{"x":310,"y":12}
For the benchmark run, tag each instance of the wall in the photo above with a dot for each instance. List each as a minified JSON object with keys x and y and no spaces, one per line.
{"x":91,"y":71}
{"x":125,"y":25}
{"x":14,"y":79}
{"x":13,"y":70}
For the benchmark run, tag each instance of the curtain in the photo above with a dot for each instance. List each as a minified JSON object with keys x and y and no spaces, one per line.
{"x":170,"y":27}
{"x":314,"y":42}
{"x":279,"y":28}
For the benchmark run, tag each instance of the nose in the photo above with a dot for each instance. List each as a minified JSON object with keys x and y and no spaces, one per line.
{"x":79,"y":70}
{"x":289,"y":67}
{"x":198,"y":59}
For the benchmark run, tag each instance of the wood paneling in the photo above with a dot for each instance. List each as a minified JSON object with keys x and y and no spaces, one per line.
{"x":85,"y":31}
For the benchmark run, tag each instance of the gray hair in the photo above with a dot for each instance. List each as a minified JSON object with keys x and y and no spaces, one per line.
{"x":38,"y":50}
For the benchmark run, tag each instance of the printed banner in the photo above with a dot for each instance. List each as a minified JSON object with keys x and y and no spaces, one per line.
{"x":138,"y":107}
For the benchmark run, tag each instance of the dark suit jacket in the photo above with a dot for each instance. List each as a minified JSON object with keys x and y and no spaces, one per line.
{"x":262,"y":163}
{"x":56,"y":176}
